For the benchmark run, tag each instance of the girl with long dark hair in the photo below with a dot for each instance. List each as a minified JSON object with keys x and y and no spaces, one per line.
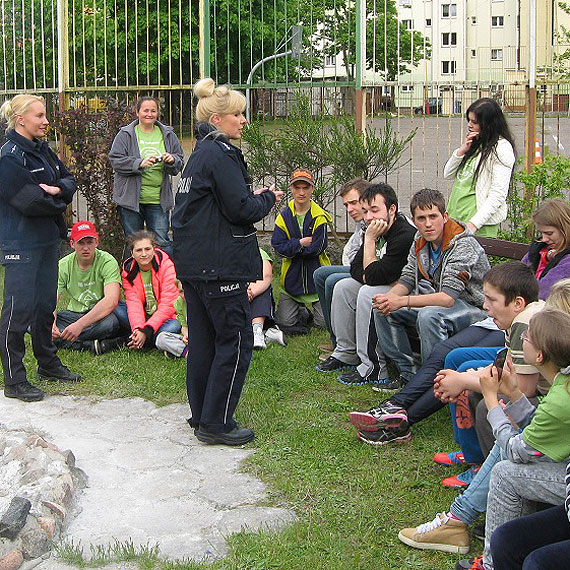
{"x":482,"y":168}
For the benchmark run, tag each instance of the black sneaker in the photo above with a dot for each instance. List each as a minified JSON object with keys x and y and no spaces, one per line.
{"x":238,"y":436}
{"x":58,"y":374}
{"x":386,"y":415}
{"x":108,"y":344}
{"x":24,"y":391}
{"x":393,"y":386}
{"x":353,"y":378}
{"x":332,"y":364}
{"x":384,"y":436}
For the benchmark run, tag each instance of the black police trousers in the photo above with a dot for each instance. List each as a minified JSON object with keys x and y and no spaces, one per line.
{"x":220,"y":341}
{"x":30,"y":296}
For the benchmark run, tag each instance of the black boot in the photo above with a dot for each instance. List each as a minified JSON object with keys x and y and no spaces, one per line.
{"x":108,"y":344}
{"x":23,"y":391}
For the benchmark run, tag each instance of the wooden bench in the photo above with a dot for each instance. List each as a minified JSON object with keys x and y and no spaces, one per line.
{"x":503,"y":248}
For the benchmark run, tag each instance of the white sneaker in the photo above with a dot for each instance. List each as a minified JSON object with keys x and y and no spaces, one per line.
{"x":275,"y":334}
{"x":258,"y":338}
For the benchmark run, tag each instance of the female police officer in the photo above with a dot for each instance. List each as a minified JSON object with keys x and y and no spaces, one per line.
{"x":35,"y":189}
{"x":216,"y":255}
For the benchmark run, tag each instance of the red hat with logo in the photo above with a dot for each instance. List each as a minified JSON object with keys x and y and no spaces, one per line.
{"x":83,"y":229}
{"x":302,"y":174}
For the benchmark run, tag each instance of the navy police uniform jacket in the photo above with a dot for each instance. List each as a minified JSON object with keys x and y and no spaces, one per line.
{"x":29,"y":216}
{"x":214,"y":235}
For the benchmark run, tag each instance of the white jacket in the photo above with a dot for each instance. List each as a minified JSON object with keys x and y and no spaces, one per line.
{"x":492,"y":184}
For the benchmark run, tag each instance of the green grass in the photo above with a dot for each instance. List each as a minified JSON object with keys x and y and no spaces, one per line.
{"x":351,"y":498}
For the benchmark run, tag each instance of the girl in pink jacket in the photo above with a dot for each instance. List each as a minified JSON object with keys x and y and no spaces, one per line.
{"x":148,"y":278}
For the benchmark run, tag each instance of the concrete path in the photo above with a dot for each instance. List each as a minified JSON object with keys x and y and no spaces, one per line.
{"x":150,"y":481}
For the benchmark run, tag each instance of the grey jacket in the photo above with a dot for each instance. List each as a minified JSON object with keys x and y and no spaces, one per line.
{"x":125,"y":159}
{"x":460,"y":273}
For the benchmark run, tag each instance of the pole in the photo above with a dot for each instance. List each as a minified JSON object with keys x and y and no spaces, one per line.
{"x":62,"y":63}
{"x":360,"y":94}
{"x":530,"y":115}
{"x":204,"y":45}
{"x":250,"y":76}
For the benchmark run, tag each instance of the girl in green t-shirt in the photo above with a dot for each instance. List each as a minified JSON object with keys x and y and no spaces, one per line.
{"x":481,"y":170}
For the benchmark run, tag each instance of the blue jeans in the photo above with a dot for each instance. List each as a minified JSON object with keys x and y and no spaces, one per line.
{"x":469,"y":505}
{"x":433,"y":323}
{"x":417,"y":396}
{"x":170,"y":325}
{"x":326,"y":277}
{"x":156,"y":220}
{"x":540,"y":541}
{"x":106,"y":327}
{"x":462,"y":359}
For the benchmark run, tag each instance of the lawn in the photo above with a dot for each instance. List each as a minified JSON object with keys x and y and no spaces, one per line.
{"x":351,"y":498}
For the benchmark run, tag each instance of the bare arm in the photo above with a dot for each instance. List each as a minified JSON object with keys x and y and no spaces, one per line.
{"x":100,"y":310}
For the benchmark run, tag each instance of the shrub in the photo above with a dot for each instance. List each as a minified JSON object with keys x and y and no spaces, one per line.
{"x":333,"y":150}
{"x":89,"y":134}
{"x":551,"y":179}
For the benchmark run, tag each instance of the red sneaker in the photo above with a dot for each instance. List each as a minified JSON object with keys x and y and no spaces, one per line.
{"x":463,"y":480}
{"x":449,"y":457}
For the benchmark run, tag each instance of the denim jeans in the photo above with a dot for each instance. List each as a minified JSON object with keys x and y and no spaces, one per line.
{"x":417,"y":396}
{"x":170,"y":325}
{"x":433,"y":323}
{"x":326,"y":277}
{"x":463,"y":359}
{"x":514,"y":491}
{"x":106,"y":327}
{"x":540,"y":541}
{"x":469,"y":505}
{"x":156,"y":220}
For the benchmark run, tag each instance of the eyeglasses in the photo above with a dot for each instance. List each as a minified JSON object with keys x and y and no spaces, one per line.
{"x":525,"y":337}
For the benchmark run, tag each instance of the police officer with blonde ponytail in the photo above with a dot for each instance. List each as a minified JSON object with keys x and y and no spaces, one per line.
{"x":35,"y":189}
{"x":216,"y":256}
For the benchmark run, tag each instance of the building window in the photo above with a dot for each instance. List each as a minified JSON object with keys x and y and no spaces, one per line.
{"x":449,"y":39}
{"x":428,"y":22}
{"x":448,"y":10}
{"x":408,"y":24}
{"x":496,"y":54}
{"x":405,"y":3}
{"x":406,"y":88}
{"x":497,"y":21}
{"x":473,"y":20}
{"x":447,"y":67}
{"x":473,"y":53}
{"x":329,"y":60}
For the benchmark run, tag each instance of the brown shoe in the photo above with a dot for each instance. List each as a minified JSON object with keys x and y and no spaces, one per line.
{"x":442,"y":533}
{"x":324,"y":356}
{"x":326,"y":347}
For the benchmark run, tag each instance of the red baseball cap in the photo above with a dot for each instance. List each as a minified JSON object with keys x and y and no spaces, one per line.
{"x":302,"y":174}
{"x":83,"y":229}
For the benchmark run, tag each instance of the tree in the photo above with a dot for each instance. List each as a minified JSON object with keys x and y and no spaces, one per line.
{"x":391,"y":49}
{"x":333,"y":150}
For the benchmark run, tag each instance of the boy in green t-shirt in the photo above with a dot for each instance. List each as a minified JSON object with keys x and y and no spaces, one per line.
{"x":173,"y":344}
{"x":91,"y":278}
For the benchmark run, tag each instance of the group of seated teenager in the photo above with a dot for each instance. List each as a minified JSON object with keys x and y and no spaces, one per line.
{"x":426,"y":298}
{"x":140,"y":305}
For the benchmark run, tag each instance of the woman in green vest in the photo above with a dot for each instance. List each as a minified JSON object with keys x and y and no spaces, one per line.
{"x":482,"y":168}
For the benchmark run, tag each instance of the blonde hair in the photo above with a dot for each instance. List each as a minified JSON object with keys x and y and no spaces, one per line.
{"x":559,"y":297}
{"x":18,"y":105}
{"x":222,"y":100}
{"x":555,"y":212}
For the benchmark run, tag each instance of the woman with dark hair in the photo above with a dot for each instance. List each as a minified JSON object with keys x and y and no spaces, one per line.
{"x":149,"y":283}
{"x":144,"y":156}
{"x":482,"y":168}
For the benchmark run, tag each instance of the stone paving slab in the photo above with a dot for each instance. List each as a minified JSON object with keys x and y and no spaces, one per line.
{"x":150,"y":481}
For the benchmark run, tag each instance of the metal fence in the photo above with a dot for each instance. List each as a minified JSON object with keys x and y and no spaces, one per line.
{"x":420,"y":64}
